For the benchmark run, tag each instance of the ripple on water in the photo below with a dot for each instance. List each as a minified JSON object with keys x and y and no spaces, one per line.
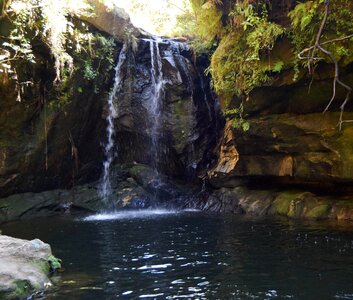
{"x":166,"y":258}
{"x":163,"y":266}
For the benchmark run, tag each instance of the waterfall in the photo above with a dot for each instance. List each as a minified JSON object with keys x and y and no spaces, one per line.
{"x":105,"y":189}
{"x":171,"y":51}
{"x":154,"y":107}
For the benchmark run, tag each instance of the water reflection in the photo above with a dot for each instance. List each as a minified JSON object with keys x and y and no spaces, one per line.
{"x":188,"y":255}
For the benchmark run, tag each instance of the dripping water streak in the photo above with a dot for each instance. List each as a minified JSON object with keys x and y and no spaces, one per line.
{"x":106,"y":188}
{"x":157,"y":97}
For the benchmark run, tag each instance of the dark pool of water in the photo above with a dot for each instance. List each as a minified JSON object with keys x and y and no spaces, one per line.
{"x":191,"y":255}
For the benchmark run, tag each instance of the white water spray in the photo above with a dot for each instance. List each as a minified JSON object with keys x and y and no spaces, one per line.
{"x":105,"y":189}
{"x":154,"y":109}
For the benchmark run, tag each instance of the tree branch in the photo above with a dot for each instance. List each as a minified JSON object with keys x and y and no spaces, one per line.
{"x":336,"y":80}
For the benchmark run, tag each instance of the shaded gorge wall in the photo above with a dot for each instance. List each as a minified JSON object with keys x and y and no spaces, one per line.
{"x":48,"y":144}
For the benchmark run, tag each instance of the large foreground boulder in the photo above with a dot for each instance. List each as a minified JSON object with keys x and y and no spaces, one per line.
{"x":24,"y":267}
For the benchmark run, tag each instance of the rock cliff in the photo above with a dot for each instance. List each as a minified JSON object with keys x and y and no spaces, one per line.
{"x":291,"y":147}
{"x":53,"y":137}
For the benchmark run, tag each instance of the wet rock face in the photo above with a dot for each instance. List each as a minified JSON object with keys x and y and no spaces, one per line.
{"x":43,"y":149}
{"x":180,"y":127}
{"x":35,"y":149}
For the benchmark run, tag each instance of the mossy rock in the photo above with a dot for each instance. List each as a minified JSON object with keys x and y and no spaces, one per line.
{"x":23,"y":288}
{"x":345,"y":143}
{"x":319,"y":212}
{"x":54,"y":263}
{"x":24,"y":267}
{"x":281,"y":205}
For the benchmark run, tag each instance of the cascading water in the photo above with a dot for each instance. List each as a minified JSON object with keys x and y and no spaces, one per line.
{"x":105,"y":189}
{"x":155,"y":102}
{"x":154,"y":107}
{"x":170,"y":51}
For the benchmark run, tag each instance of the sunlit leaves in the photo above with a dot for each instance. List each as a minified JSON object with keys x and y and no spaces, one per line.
{"x":48,"y":19}
{"x":158,"y":16}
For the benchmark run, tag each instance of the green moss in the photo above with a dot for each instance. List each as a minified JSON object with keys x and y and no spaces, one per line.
{"x":54,"y":263}
{"x":319,"y":212}
{"x":296,"y":208}
{"x":209,"y":19}
{"x":239,"y":65}
{"x":182,"y":123}
{"x":23,"y":288}
{"x":282,"y":203}
{"x":306,"y":18}
{"x":345,"y":142}
{"x":43,"y":266}
{"x":136,"y":170}
{"x":345,"y":203}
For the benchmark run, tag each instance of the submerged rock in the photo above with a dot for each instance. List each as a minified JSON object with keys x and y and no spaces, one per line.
{"x":24,"y":267}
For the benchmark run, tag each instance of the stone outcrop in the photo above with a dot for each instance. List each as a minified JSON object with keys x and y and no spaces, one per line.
{"x":228,"y":157}
{"x":297,"y":204}
{"x":290,"y":137}
{"x":302,"y":147}
{"x":114,"y":21}
{"x":24,"y":267}
{"x":292,"y":155}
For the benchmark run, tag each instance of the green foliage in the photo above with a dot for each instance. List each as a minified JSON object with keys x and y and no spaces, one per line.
{"x":238,"y":65}
{"x":306,"y":18}
{"x":93,"y":57}
{"x":165,"y":18}
{"x":46,"y":20}
{"x":99,"y":50}
{"x":185,"y":24}
{"x":202,"y":25}
{"x":235,"y":115}
{"x":54,"y":263}
{"x":208,"y":20}
{"x":303,"y":14}
{"x":89,"y":72}
{"x":278,"y":66}
{"x":78,"y":53}
{"x":18,"y":43}
{"x":243,"y":59}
